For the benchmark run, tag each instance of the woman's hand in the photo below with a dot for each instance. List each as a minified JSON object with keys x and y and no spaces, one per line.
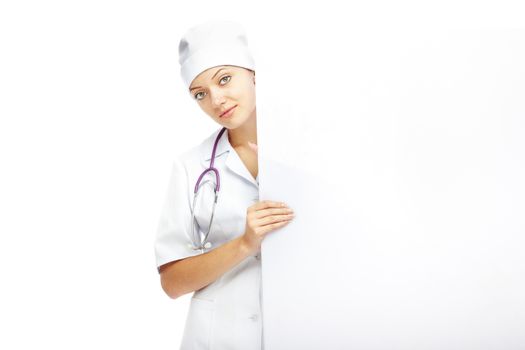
{"x":264,"y":217}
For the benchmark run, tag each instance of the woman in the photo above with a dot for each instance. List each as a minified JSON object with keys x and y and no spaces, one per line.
{"x":223,"y":268}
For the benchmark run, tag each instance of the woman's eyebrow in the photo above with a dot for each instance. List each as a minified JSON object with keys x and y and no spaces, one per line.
{"x":217,"y":72}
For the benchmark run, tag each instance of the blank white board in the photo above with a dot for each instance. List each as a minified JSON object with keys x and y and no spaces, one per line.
{"x":402,"y":151}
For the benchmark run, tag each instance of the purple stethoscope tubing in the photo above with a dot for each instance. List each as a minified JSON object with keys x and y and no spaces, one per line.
{"x":203,"y":244}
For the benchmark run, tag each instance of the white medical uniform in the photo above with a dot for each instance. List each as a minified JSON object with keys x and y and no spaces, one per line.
{"x":226,"y":314}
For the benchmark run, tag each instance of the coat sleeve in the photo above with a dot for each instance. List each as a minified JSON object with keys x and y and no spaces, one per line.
{"x":173,"y":239}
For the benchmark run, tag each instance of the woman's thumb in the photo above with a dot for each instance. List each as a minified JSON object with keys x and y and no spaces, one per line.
{"x":254,"y":147}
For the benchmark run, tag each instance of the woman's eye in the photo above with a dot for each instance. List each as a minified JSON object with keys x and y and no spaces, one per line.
{"x":226,"y":76}
{"x":197,"y":96}
{"x":224,"y":79}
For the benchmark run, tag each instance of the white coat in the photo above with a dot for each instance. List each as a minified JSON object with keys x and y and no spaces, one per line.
{"x":226,"y":314}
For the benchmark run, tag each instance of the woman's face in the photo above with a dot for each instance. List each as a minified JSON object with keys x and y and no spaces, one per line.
{"x":220,"y":88}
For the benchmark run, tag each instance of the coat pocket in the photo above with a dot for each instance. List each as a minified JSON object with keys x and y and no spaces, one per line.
{"x":199,"y":325}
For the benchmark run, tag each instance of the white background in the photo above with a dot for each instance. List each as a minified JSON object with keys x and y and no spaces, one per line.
{"x":92,"y":112}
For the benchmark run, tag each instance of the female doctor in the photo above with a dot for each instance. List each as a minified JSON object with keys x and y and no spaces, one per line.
{"x":207,"y":247}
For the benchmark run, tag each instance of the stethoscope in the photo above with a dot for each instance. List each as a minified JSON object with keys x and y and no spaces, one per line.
{"x":203,"y":244}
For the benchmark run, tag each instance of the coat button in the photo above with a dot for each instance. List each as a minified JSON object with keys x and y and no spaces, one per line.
{"x":254,"y":317}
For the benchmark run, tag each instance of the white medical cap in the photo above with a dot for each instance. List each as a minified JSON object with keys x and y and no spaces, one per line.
{"x":210,"y":44}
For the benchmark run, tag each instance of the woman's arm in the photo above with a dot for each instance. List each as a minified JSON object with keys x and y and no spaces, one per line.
{"x":195,"y":272}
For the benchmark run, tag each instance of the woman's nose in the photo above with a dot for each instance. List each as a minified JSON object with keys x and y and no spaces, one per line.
{"x":217,"y":97}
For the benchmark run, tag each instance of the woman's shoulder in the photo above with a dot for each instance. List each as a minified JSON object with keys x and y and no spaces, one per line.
{"x":198,"y":152}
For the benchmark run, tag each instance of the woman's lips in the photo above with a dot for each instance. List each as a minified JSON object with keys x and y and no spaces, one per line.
{"x":228,"y":112}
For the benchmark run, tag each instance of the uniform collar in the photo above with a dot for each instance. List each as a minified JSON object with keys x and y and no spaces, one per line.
{"x":225,"y":149}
